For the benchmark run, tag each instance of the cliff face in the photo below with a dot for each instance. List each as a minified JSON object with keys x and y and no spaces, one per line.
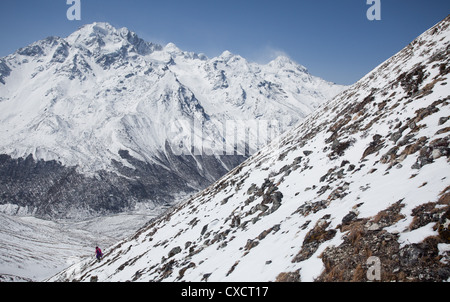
{"x":359,"y":190}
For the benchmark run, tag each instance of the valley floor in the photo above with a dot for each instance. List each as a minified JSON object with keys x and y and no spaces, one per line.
{"x":32,"y":249}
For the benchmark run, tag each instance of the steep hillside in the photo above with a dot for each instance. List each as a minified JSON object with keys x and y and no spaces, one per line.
{"x":102,"y":121}
{"x":366,"y":175}
{"x":33,"y":249}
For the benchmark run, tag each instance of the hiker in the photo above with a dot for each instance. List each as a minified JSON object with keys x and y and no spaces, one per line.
{"x":98,"y":253}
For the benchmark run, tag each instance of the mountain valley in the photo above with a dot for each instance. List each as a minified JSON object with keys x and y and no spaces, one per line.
{"x":362,"y":181}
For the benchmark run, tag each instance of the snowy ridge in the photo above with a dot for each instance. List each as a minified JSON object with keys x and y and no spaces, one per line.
{"x":110,"y":108}
{"x":366,"y":175}
{"x":80,"y":96}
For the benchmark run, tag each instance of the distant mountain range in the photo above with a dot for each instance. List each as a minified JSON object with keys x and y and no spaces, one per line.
{"x":102,"y":121}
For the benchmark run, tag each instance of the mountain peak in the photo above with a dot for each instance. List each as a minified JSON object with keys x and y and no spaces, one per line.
{"x":100,"y":29}
{"x":226,"y":54}
{"x":172,"y":48}
{"x":104,"y":88}
{"x":103,"y":36}
{"x":92,"y":34}
{"x":283,"y":61}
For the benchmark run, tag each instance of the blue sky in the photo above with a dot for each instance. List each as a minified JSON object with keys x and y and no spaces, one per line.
{"x":332,"y":38}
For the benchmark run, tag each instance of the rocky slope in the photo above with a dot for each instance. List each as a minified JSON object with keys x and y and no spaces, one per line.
{"x":102,"y":121}
{"x":366,"y":175}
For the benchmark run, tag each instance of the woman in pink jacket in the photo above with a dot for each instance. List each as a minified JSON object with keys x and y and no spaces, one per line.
{"x":98,"y":253}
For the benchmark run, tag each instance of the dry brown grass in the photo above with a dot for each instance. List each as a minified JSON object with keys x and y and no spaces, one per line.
{"x":288,"y":277}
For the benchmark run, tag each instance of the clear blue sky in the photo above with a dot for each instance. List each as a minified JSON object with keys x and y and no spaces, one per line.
{"x":332,"y":38}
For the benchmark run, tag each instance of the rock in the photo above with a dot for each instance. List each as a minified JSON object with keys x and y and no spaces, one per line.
{"x":251,"y":244}
{"x":204,"y":229}
{"x":376,"y":138}
{"x":277,"y":197}
{"x":349,"y":217}
{"x":94,"y":279}
{"x":406,"y":140}
{"x":206,"y":276}
{"x":236,"y":221}
{"x":340,"y":147}
{"x":443,"y":120}
{"x":390,"y":155}
{"x":344,"y":163}
{"x":297,"y":160}
{"x":396,"y":136}
{"x":322,"y":190}
{"x":422,"y":161}
{"x":444,"y":227}
{"x":174,"y":251}
{"x":374,"y":146}
{"x":252,"y":189}
{"x":444,"y":273}
{"x":374,"y":227}
{"x":436,"y":154}
{"x":410,"y":254}
{"x":289,"y":277}
{"x":314,"y":238}
{"x":262,"y":207}
{"x":443,"y":130}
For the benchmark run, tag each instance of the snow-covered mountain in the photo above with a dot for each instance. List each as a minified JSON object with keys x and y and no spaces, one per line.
{"x":361,"y":186}
{"x":103,"y":121}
